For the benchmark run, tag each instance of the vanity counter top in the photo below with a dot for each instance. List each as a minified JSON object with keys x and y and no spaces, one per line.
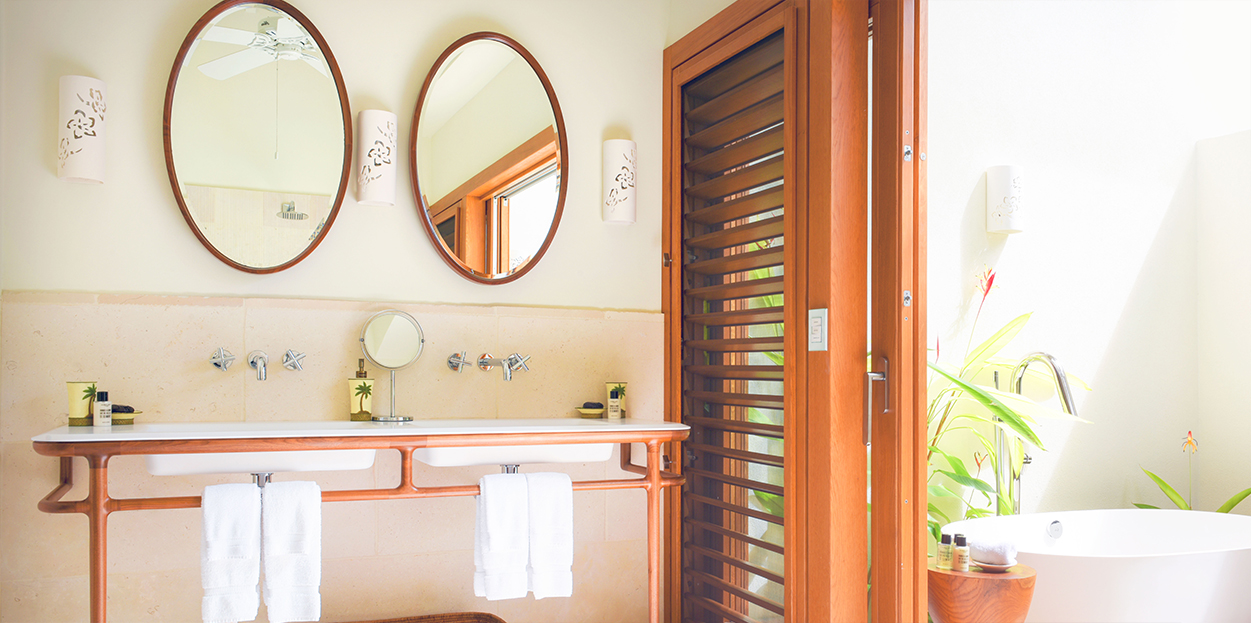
{"x":179,"y":431}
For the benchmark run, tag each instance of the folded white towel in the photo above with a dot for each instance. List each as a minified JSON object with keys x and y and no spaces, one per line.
{"x":551,"y":534}
{"x":992,"y":552}
{"x":230,"y":553}
{"x":502,"y":537}
{"x":479,"y":536}
{"x":291,"y":531}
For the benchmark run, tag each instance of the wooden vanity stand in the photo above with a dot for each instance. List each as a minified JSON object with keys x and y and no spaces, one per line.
{"x":97,"y":505}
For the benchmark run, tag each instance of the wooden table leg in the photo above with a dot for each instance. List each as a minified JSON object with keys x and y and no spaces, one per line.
{"x":653,"y":531}
{"x":97,"y":516}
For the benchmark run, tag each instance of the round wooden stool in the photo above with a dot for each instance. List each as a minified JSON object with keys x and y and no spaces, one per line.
{"x":976,"y":597}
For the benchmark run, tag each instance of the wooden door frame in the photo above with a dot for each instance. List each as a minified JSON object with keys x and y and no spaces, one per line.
{"x":825,"y":490}
{"x":899,"y":309}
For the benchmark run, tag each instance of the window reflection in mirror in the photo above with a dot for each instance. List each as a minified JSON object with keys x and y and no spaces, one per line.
{"x":487,"y":158}
{"x":530,"y":206}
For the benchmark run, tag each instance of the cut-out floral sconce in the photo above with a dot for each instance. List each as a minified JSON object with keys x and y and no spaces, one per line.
{"x":80,"y":135}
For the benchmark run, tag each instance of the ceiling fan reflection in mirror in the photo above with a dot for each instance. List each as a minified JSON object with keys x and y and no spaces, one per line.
{"x":275,"y":39}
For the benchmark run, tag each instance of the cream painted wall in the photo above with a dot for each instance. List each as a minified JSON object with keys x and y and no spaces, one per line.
{"x":1223,"y":281}
{"x":609,"y":86}
{"x":1102,"y":103}
{"x":686,"y":15}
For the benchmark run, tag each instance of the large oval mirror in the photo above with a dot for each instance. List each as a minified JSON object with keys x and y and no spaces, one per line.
{"x":258,"y":134}
{"x":488,"y":157}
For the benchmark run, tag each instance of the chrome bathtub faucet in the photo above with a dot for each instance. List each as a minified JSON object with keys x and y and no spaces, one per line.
{"x":1014,"y":385}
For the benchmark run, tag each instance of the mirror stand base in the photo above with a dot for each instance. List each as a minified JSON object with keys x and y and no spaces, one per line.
{"x":392,"y":418}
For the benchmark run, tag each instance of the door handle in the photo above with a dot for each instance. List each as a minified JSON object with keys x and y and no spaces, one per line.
{"x":869,"y":378}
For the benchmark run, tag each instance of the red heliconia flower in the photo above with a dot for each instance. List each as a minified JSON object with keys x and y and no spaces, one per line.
{"x":978,"y":458}
{"x":1190,"y":443}
{"x":985,"y":282}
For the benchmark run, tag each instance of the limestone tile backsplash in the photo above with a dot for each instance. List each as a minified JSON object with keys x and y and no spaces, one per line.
{"x":382,"y":559}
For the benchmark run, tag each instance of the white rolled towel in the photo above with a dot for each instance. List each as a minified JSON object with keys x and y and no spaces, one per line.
{"x":992,"y":552}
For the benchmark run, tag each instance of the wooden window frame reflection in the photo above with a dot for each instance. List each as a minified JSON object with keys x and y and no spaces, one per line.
{"x":481,"y":242}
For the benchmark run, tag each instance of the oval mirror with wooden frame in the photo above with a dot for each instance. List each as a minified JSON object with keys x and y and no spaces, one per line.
{"x":487,"y":156}
{"x":258,"y":134}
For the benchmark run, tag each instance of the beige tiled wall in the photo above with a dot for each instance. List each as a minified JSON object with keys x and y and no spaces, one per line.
{"x":381,"y":559}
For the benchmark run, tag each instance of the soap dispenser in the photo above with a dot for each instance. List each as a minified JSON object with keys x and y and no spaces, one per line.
{"x":360,"y":396}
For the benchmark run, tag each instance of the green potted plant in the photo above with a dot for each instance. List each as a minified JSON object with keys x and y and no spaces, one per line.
{"x":962,"y":406}
{"x":1190,"y":446}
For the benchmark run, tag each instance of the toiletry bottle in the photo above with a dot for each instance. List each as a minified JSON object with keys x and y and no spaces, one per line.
{"x":103,"y":416}
{"x":360,"y":395}
{"x":944,"y":552}
{"x":960,"y":554}
{"x":614,"y":405}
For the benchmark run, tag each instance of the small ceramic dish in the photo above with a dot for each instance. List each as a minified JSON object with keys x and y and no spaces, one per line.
{"x":989,"y":568}
{"x":591,"y":413}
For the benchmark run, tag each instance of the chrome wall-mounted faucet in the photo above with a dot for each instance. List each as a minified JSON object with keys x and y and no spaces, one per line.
{"x":257,"y":360}
{"x":512,"y":363}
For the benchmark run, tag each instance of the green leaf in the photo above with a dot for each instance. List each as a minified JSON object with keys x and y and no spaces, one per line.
{"x":770,"y":502}
{"x":1017,"y":454}
{"x":1169,"y":491}
{"x":1004,"y":503}
{"x":1229,"y":505}
{"x":968,"y":481}
{"x":934,"y":512}
{"x":956,"y":464}
{"x":941,"y":491}
{"x":1028,"y":408}
{"x":935,"y":529}
{"x":996,"y":342}
{"x":1155,"y":508}
{"x":977,"y":513}
{"x":757,"y":416}
{"x":995,"y":406}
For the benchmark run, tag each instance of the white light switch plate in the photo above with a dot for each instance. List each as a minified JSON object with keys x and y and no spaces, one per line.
{"x":818,"y":329}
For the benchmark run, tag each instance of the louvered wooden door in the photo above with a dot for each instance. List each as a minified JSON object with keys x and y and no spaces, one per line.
{"x":766,"y":220}
{"x":734,"y":132}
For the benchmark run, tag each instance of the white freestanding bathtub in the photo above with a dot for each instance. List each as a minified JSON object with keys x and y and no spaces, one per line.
{"x":1130,"y":565}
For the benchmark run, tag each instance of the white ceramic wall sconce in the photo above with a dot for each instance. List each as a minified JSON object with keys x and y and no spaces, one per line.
{"x":1004,"y":200}
{"x":375,"y":168}
{"x":80,"y":135}
{"x":619,"y":170}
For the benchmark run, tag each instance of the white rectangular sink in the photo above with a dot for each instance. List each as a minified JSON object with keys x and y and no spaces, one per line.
{"x":343,"y":458}
{"x":514,"y":455}
{"x":258,"y":462}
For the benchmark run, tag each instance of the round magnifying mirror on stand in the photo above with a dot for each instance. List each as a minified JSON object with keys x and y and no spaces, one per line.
{"x":393,"y":340}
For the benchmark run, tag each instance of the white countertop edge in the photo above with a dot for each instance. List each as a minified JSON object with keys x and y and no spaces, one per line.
{"x":267,"y":430}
